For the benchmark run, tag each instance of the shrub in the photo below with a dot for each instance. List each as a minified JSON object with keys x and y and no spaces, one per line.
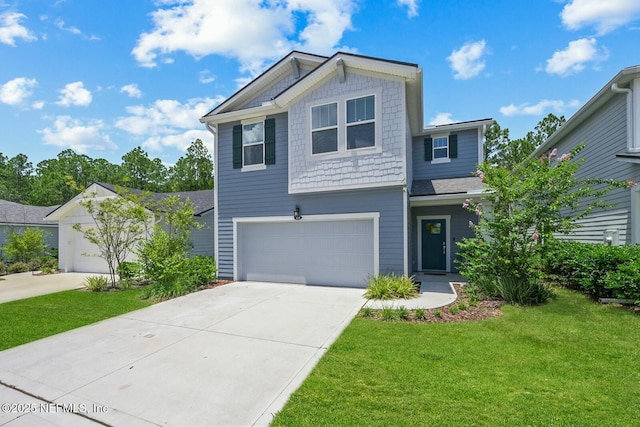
{"x":47,"y":265}
{"x":403,"y":312}
{"x":420,"y":314}
{"x":18,"y":267}
{"x":463,"y":306}
{"x":129,"y":270}
{"x":390,"y":286}
{"x":522,"y":291}
{"x":96,"y":283}
{"x":3,"y":268}
{"x":26,"y":246}
{"x":438,"y":313}
{"x":201,"y":270}
{"x":366,"y":312}
{"x":170,"y":289}
{"x":453,"y":309}
{"x":598,"y":270}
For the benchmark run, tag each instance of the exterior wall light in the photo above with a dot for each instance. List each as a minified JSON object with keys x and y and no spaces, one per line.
{"x":296,"y":213}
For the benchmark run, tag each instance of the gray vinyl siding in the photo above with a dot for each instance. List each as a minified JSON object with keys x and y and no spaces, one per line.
{"x":459,"y":229}
{"x":202,"y":239}
{"x":462,"y":166}
{"x":604,"y":135}
{"x":50,"y":235}
{"x":264,"y":193}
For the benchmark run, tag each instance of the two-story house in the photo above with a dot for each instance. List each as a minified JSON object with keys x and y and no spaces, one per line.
{"x":609,"y":126}
{"x":326,"y":175}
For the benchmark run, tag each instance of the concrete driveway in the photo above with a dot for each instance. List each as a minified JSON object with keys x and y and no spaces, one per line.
{"x":27,"y":285}
{"x":225,"y":356}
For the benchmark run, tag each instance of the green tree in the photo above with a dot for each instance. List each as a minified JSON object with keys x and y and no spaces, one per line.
{"x":502,"y":151}
{"x":524,"y":209}
{"x":16,"y":178}
{"x":26,"y":246}
{"x":194,"y":171}
{"x":119,"y":224}
{"x":141,"y":172}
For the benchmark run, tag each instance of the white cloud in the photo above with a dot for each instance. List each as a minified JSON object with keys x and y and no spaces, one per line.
{"x":441,"y":119}
{"x":604,"y":15}
{"x":15,"y":91}
{"x":74,"y":94}
{"x":132,"y":90}
{"x":252,"y":31}
{"x":574,"y":57}
{"x":74,"y":30}
{"x":81,"y":137}
{"x":412,"y":7}
{"x":10,"y":29}
{"x":38,"y":105}
{"x":538,"y":109}
{"x":206,"y":77}
{"x":168,"y":123}
{"x":468,"y":62}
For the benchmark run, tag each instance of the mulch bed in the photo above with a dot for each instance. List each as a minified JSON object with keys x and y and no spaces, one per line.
{"x":461,"y":310}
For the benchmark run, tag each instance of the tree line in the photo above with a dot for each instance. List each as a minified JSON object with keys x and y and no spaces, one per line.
{"x":48,"y":183}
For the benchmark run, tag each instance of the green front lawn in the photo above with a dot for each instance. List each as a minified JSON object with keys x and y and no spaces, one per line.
{"x":30,"y":319}
{"x":568,"y":363}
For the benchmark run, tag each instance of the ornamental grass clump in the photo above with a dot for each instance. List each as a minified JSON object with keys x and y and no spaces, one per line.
{"x":390,"y":286}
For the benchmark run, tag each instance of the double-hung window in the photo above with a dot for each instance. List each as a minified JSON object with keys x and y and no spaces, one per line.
{"x":441,"y":147}
{"x":361,"y":126}
{"x":253,"y":144}
{"x":324,"y":128}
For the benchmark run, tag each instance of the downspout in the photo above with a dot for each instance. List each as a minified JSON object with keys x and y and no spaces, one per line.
{"x":630,"y":142}
{"x":214,"y":132}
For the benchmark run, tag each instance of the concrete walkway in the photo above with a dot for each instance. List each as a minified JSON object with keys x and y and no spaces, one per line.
{"x":435,"y":291}
{"x":27,"y":285}
{"x":229,"y":356}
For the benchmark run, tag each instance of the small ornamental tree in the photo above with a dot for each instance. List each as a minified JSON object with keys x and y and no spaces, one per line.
{"x":120,"y":222}
{"x":26,"y":246}
{"x":524,"y":209}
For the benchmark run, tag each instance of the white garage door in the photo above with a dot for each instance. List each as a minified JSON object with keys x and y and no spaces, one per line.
{"x":336,"y":253}
{"x":85,"y":255}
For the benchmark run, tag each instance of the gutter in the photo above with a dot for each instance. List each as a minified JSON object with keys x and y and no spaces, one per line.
{"x":630,"y":142}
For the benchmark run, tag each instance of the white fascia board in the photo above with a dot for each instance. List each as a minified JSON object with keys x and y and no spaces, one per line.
{"x":452,"y":127}
{"x":247,"y":113}
{"x":443,"y":199}
{"x":307,"y":218}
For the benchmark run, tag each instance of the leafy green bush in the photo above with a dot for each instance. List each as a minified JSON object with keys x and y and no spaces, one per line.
{"x":598,"y":270}
{"x":391,"y":286}
{"x":3,"y":268}
{"x":163,"y":257}
{"x":420,"y":314}
{"x":403,"y":312}
{"x":389,"y":313}
{"x":522,"y":291}
{"x":201,"y":270}
{"x":48,"y":265}
{"x":18,"y":267}
{"x":96,"y":283}
{"x":366,"y":312}
{"x":26,"y":246}
{"x":129,"y":270}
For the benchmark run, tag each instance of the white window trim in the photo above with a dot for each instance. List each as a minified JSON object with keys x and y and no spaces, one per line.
{"x":342,"y":125}
{"x":337,"y":127}
{"x":447,"y":159}
{"x":257,"y":166}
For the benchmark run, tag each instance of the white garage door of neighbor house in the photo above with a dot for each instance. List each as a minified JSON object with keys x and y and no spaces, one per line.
{"x":336,"y":253}
{"x":86,"y":258}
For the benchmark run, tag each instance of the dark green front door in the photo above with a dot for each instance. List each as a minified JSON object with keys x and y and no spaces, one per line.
{"x":434,"y":244}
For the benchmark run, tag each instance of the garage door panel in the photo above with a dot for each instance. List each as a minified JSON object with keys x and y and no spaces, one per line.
{"x":339,"y":253}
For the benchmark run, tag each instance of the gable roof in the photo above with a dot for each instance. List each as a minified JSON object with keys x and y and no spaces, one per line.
{"x":202,"y":199}
{"x":322,"y":68}
{"x":12,"y":213}
{"x":622,"y":79}
{"x":437,"y":187}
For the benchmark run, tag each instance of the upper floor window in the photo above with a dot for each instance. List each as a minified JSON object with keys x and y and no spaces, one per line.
{"x":343,"y":125}
{"x":253,"y":144}
{"x":361,"y":126}
{"x":441,"y":148}
{"x":324,"y":128}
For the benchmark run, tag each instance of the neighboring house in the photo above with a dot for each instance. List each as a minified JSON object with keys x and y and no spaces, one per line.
{"x":609,"y":125}
{"x":78,"y":254}
{"x":15,"y":217}
{"x":325,"y":174}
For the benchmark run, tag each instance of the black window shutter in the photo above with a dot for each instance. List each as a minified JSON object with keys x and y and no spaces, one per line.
{"x":237,"y":147}
{"x":453,"y":146}
{"x":270,"y":141}
{"x":428,"y":149}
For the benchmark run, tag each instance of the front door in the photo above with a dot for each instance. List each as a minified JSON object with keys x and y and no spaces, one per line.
{"x":434,"y":244}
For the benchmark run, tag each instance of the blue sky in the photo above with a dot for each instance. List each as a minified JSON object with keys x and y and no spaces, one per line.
{"x":103,"y":79}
